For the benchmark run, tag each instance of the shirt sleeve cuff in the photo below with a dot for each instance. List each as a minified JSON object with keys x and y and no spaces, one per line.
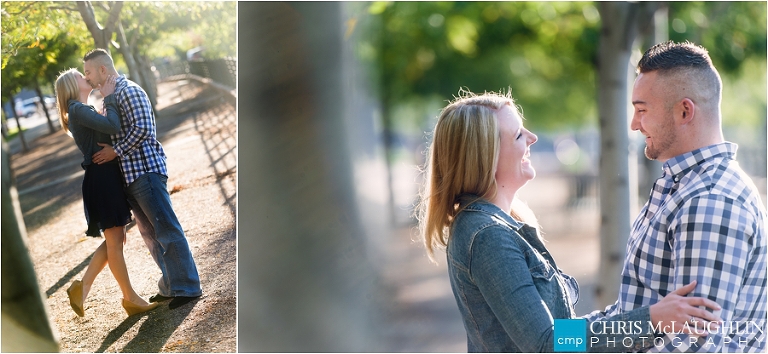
{"x":118,"y":151}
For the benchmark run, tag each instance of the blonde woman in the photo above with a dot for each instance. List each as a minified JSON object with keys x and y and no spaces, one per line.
{"x":106,"y":207}
{"x":507,"y":286}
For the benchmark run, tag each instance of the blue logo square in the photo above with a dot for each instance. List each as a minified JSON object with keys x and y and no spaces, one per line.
{"x":571,"y":335}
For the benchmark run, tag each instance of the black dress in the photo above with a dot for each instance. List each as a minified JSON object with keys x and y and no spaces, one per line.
{"x":104,"y":200}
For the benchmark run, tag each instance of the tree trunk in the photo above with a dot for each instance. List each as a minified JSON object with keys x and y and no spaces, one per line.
{"x":4,"y":126}
{"x":102,"y":36}
{"x":18,"y":125}
{"x":127,"y":53}
{"x":148,"y":77}
{"x":89,"y":17}
{"x":137,"y":66}
{"x":25,"y":323}
{"x":308,"y":281}
{"x":619,"y":29}
{"x":24,"y":146}
{"x":45,"y":108}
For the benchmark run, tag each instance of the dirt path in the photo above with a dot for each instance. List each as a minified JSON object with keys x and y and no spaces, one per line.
{"x":197,"y":128}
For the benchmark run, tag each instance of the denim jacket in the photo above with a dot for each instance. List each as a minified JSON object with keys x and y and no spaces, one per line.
{"x":509,"y":289}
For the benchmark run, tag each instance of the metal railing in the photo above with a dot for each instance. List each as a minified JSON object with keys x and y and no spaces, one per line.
{"x":222,"y":71}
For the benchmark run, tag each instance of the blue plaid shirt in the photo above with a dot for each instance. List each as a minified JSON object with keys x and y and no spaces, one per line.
{"x":704,"y":221}
{"x":136,"y":144}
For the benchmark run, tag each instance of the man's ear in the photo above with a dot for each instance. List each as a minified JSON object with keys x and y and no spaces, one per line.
{"x":686,"y":110}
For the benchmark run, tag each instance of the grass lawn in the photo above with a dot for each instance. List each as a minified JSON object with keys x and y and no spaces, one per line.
{"x":13,"y":132}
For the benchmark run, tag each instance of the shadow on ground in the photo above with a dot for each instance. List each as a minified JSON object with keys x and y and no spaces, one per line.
{"x":154,"y":332}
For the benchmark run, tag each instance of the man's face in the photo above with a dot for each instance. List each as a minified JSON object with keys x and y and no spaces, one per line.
{"x":92,"y":72}
{"x":653,"y":117}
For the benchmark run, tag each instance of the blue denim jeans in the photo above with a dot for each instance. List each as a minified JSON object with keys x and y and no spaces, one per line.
{"x":163,"y":235}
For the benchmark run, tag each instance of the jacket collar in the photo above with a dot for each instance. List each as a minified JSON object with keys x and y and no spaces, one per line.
{"x":477,"y":203}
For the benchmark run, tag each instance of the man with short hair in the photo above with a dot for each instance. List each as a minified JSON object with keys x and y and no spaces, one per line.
{"x":704,"y":220}
{"x":142,"y":161}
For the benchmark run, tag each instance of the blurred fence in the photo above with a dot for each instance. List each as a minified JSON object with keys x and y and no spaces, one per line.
{"x":222,"y":71}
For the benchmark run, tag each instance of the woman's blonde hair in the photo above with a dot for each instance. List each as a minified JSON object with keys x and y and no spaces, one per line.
{"x":66,"y":89}
{"x":462,"y":158}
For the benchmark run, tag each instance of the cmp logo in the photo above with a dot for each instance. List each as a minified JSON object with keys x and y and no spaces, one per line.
{"x":570,"y":335}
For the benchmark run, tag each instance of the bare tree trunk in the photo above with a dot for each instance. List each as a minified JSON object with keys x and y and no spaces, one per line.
{"x":102,"y":36}
{"x":24,"y":146}
{"x":619,"y":29}
{"x":138,"y":67}
{"x":148,"y":77}
{"x":4,"y":126}
{"x":306,"y":283}
{"x":45,"y":108}
{"x":25,"y":323}
{"x":127,"y":53}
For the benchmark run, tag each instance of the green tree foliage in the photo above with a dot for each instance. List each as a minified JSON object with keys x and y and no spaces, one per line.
{"x":41,"y":38}
{"x":731,"y":31}
{"x":29,"y":24}
{"x":734,"y":33}
{"x":42,"y":60}
{"x":544,"y":52}
{"x":182,"y":25}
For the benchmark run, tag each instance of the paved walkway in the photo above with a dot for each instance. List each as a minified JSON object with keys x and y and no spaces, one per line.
{"x":197,"y":126}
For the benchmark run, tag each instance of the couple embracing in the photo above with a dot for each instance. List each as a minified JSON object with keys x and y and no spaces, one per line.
{"x":125,"y":172}
{"x":694,"y":278}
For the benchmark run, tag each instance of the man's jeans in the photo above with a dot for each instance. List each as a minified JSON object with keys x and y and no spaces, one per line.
{"x":163,"y":235}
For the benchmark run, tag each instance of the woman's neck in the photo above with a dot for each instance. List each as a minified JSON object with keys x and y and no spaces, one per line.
{"x":84,"y":97}
{"x":504,"y":198}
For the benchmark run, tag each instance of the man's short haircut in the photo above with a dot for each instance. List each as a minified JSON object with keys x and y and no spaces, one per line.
{"x":670,"y":55}
{"x":684,"y":60}
{"x":95,"y":53}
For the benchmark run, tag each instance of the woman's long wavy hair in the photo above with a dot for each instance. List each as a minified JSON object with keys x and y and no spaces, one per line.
{"x":66,"y":89}
{"x":462,"y":159}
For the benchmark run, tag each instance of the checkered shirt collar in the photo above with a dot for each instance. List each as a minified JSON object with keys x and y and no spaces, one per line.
{"x":681,"y":164}
{"x":120,"y":82}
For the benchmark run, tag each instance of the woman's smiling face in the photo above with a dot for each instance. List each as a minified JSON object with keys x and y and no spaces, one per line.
{"x":514,"y":167}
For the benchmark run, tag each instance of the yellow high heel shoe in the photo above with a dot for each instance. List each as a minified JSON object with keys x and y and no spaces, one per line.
{"x":75,"y":294}
{"x":133,"y":309}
